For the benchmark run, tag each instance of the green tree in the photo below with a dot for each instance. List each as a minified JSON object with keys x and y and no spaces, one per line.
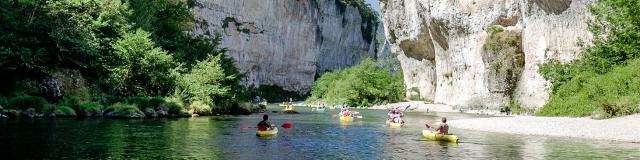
{"x":140,"y":68}
{"x":204,"y":81}
{"x":367,"y":83}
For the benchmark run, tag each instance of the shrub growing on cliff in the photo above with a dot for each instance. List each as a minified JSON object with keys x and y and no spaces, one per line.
{"x":365,"y":84}
{"x":605,"y":80}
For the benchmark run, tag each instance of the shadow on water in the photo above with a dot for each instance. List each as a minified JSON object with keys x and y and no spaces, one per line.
{"x":314,"y":135}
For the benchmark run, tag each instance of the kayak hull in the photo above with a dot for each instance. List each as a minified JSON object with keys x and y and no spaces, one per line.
{"x":440,"y":137}
{"x":268,"y":133}
{"x":346,"y":118}
{"x":395,"y":125}
{"x":320,"y":110}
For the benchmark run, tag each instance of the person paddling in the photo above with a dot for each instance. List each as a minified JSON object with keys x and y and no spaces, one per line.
{"x":264,"y":125}
{"x":442,"y":128}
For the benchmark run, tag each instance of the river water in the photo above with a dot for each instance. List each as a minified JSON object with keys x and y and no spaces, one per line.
{"x":313,"y":136}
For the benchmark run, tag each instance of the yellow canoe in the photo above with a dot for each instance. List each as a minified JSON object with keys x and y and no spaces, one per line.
{"x":395,"y":125}
{"x":439,"y":137}
{"x":346,"y":118}
{"x":267,"y":133}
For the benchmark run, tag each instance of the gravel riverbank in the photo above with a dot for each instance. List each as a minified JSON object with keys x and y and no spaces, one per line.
{"x":618,"y":129}
{"x":417,"y":106}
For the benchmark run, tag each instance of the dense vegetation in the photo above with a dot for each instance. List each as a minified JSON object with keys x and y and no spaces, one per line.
{"x":605,"y":82}
{"x":120,"y":58}
{"x":368,"y":83}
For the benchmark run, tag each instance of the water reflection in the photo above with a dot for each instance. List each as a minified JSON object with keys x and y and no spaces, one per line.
{"x":313,"y":136}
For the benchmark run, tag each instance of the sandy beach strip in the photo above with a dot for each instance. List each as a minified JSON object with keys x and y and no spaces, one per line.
{"x":625,"y":128}
{"x":417,"y":106}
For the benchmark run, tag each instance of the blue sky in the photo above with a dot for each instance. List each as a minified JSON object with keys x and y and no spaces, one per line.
{"x":374,"y":4}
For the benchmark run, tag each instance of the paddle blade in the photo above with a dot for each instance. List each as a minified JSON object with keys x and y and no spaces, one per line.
{"x":287,"y":125}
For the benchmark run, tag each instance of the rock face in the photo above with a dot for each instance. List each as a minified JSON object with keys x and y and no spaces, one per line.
{"x":483,"y":54}
{"x":287,"y":42}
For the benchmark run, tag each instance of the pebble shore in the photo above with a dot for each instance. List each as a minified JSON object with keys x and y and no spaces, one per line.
{"x":616,"y":129}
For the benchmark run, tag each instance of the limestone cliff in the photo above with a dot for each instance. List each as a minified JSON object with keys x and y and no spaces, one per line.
{"x":287,"y":42}
{"x":481,"y":53}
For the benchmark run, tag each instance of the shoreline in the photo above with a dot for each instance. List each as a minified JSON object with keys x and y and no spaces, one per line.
{"x":421,"y":106}
{"x":623,"y":129}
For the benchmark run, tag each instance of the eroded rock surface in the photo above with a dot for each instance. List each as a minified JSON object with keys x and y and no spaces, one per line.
{"x":449,"y":56}
{"x":287,"y":42}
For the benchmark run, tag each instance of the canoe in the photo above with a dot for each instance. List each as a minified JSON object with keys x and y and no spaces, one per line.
{"x":346,"y":118}
{"x":320,"y":109}
{"x":267,"y":133}
{"x":395,"y":125}
{"x":289,"y":111}
{"x":439,"y":137}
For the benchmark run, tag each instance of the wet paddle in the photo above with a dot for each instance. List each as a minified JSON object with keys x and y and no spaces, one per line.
{"x":287,"y":125}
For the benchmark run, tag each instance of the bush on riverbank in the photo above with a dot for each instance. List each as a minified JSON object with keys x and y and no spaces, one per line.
{"x":368,"y":83}
{"x":605,"y":81}
{"x":64,"y":111}
{"x":120,"y":110}
{"x":612,"y":94}
{"x":25,"y":102}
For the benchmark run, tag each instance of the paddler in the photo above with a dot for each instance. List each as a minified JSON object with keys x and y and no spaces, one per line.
{"x":264,"y":125}
{"x":442,"y":128}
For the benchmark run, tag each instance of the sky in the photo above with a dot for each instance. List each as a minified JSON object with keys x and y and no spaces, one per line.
{"x":375,"y":4}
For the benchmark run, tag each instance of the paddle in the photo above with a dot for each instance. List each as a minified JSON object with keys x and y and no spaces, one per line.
{"x":287,"y":125}
{"x":405,"y":108}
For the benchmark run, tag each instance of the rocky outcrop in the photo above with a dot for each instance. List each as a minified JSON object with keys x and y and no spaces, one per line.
{"x":287,"y":42}
{"x":483,"y":54}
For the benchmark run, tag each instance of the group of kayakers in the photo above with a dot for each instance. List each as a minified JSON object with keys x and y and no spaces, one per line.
{"x":395,"y":116}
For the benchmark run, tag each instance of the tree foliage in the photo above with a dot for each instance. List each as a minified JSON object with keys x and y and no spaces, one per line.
{"x":204,"y":82}
{"x":605,"y":75}
{"x":365,"y":84}
{"x":140,"y":68}
{"x":125,"y":48}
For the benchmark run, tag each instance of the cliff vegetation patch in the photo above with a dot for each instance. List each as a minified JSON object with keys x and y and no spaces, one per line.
{"x":370,"y":20}
{"x":605,"y":81}
{"x":502,"y":52}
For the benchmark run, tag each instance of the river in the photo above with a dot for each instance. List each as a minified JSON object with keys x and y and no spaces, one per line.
{"x":313,"y":136}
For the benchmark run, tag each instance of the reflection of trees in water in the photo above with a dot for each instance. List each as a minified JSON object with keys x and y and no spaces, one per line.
{"x":174,"y":138}
{"x":557,"y":148}
{"x":503,"y":146}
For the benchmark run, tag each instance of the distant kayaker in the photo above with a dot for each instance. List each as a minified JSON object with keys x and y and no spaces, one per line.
{"x":264,"y":125}
{"x":345,"y":112}
{"x":395,"y":116}
{"x":442,"y":128}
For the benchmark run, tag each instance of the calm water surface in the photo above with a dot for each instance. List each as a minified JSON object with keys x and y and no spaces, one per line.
{"x":313,"y":136}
